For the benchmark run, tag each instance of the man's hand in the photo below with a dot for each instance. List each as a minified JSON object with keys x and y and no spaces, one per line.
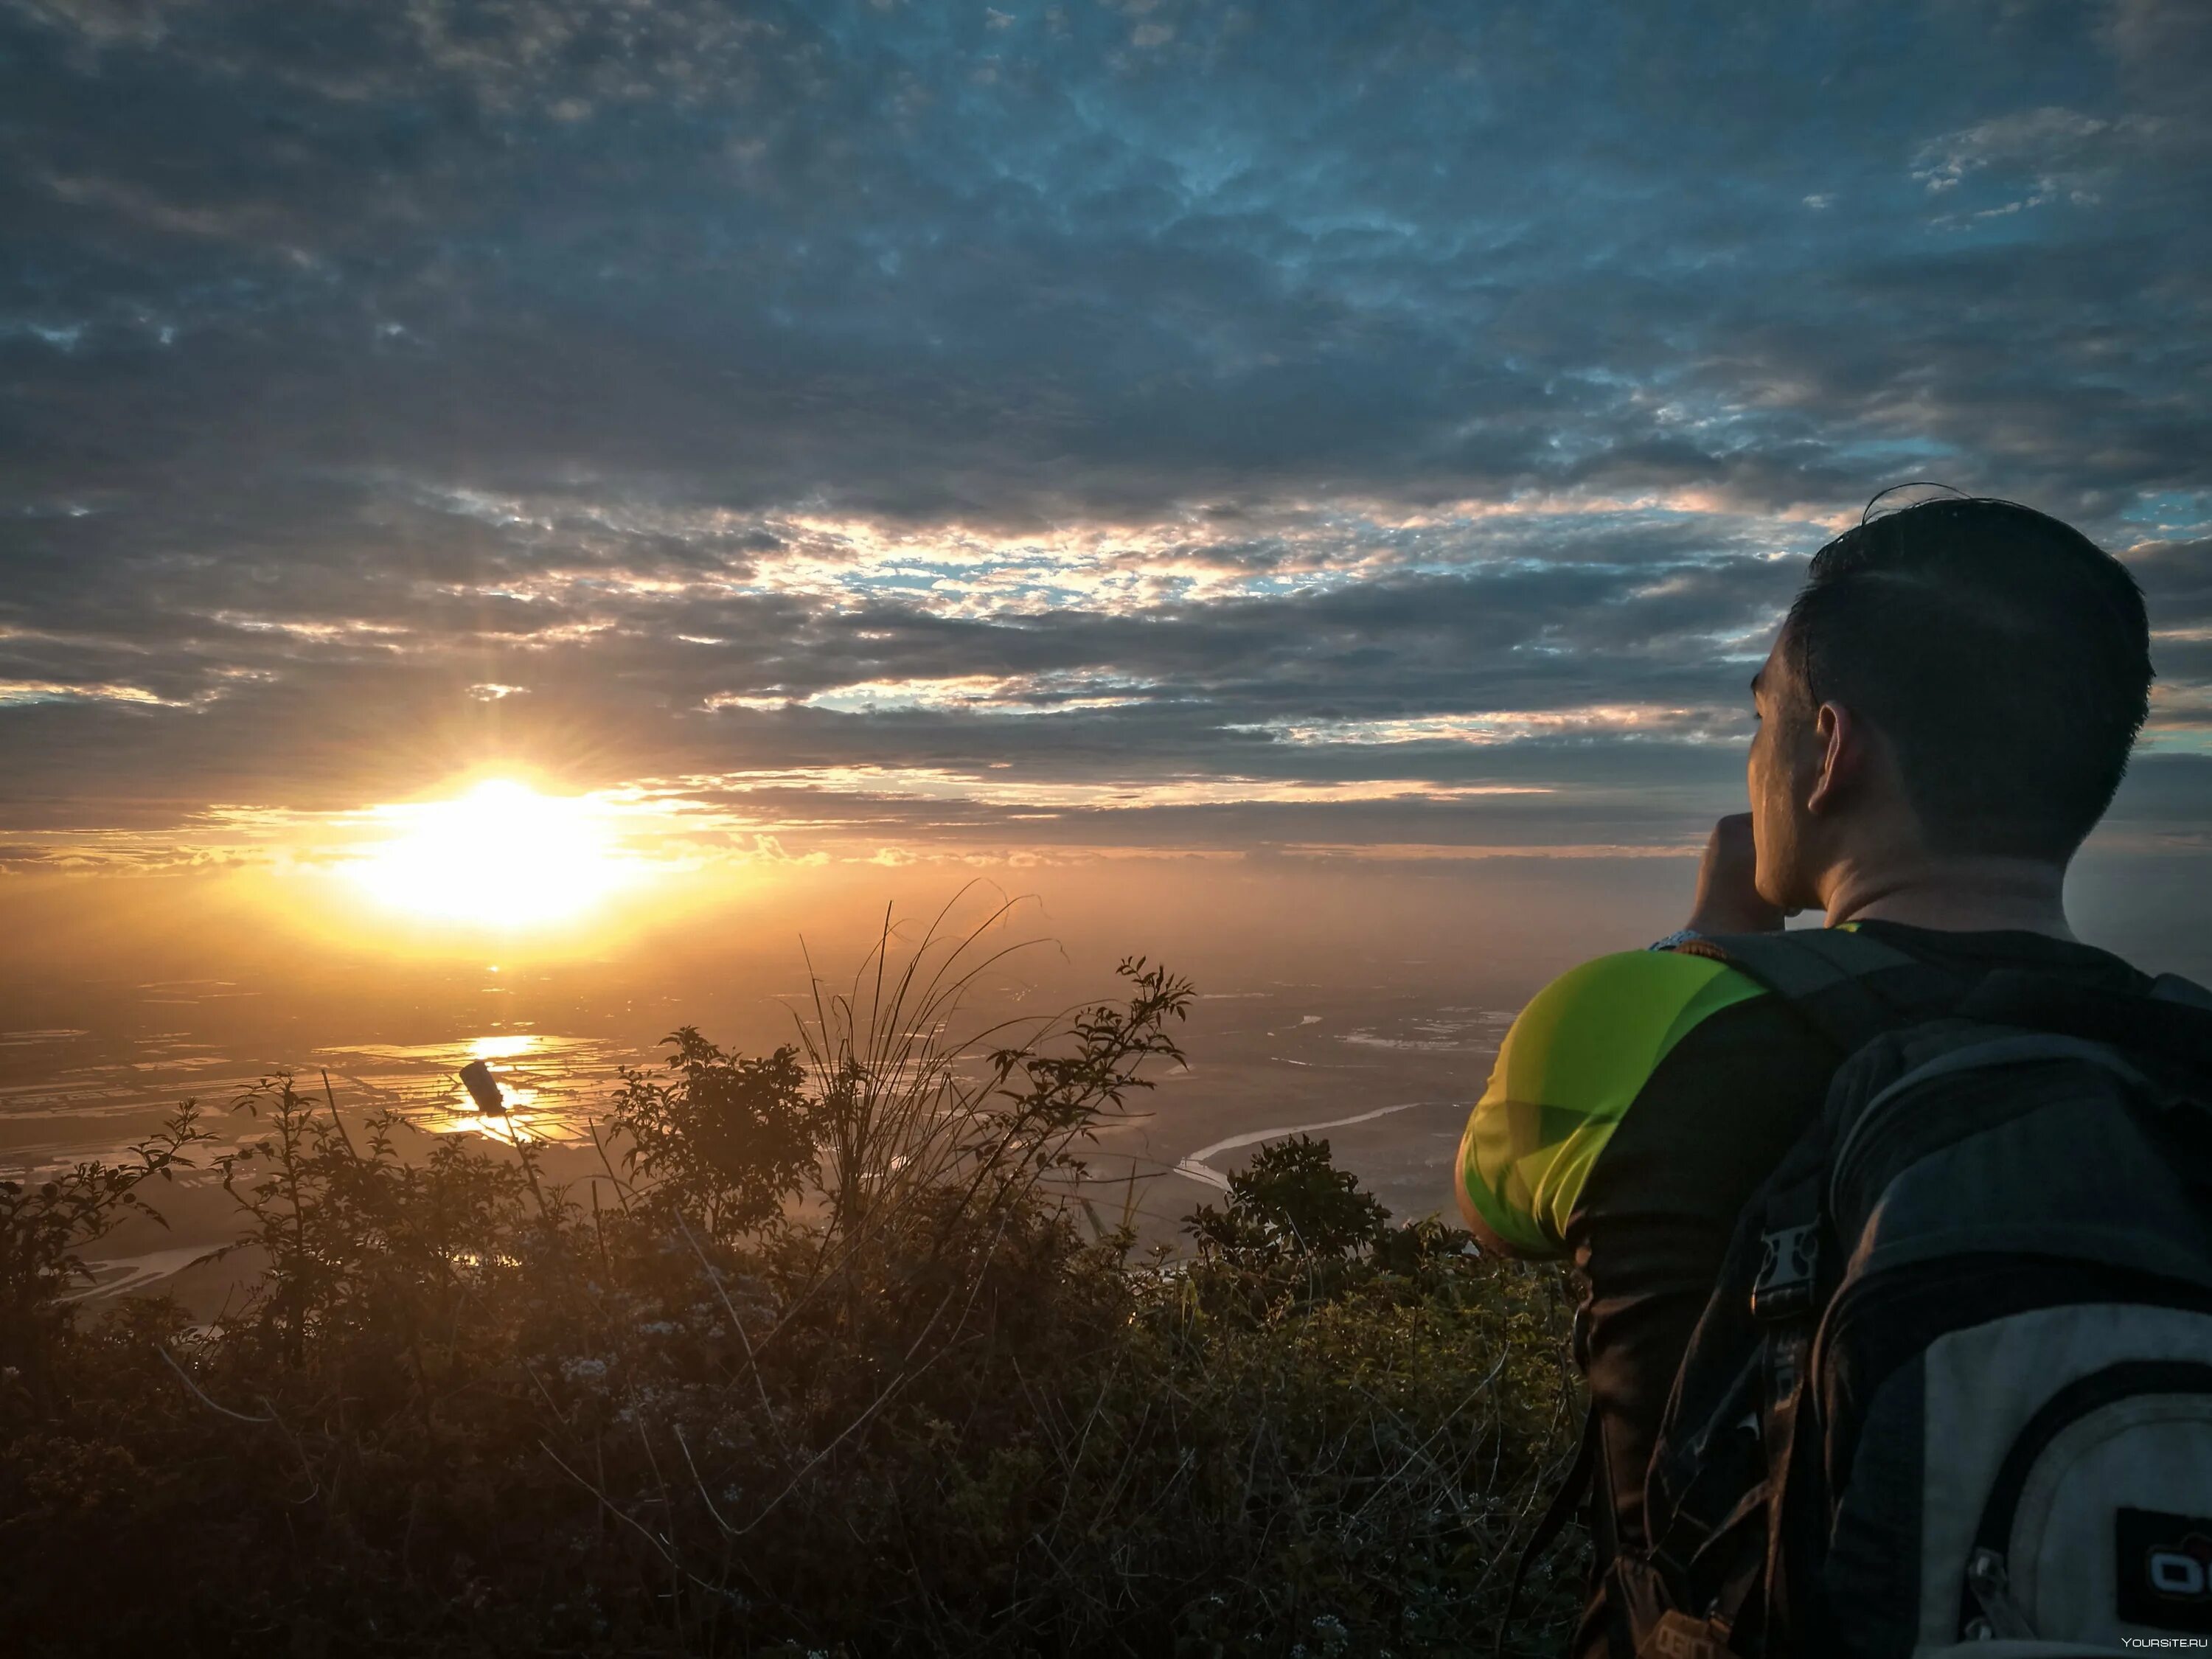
{"x":1728,"y":902}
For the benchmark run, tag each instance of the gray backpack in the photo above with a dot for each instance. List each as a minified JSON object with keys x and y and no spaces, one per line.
{"x":1953,"y":1392}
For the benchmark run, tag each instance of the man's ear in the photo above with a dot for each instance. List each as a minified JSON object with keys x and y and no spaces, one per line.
{"x":1843,"y":739}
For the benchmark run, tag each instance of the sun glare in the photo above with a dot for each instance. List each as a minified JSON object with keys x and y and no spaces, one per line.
{"x":502,"y":854}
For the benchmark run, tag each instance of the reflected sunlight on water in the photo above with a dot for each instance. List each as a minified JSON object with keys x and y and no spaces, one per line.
{"x":88,"y":1098}
{"x":552,"y":1086}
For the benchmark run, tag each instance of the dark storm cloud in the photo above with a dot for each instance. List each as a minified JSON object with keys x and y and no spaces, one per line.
{"x":1307,"y":395}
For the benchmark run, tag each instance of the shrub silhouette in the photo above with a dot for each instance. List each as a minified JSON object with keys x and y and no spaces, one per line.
{"x":45,"y":1225}
{"x":1291,"y":1201}
{"x":727,"y":1139}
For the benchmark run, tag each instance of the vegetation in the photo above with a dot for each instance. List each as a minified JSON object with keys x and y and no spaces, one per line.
{"x":843,"y":1366}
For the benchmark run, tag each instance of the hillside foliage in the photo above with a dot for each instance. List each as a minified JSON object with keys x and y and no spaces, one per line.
{"x":835,"y":1360}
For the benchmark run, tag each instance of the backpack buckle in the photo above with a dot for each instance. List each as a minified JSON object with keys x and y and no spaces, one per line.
{"x":1784,"y":1286}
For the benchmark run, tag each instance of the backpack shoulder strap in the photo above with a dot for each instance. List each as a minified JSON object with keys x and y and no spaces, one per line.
{"x":2172,"y":988}
{"x":1848,"y":986}
{"x":2170,"y":1019}
{"x":1851,"y":989}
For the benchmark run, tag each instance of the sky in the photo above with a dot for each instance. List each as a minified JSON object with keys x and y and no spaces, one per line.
{"x":1003,"y":437}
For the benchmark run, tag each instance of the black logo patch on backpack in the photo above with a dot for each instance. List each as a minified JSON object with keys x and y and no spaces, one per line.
{"x":2165,"y":1573}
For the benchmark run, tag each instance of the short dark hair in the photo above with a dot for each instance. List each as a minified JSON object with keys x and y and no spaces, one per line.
{"x":2004,"y":655}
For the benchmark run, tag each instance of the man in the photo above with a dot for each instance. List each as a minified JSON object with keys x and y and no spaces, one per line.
{"x":1945,"y":714}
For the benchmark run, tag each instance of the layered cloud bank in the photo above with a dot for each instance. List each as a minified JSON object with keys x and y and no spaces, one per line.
{"x":882,"y":430}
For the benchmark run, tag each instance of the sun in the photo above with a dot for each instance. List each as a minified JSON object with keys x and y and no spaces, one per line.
{"x":502,"y":855}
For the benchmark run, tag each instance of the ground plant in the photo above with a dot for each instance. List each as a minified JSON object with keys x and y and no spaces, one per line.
{"x":839,"y":1356}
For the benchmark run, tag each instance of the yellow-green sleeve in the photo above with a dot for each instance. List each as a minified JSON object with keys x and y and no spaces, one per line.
{"x":1569,"y":1068}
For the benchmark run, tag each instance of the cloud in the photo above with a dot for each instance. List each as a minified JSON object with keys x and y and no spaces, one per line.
{"x":2050,"y":141}
{"x":1296,"y":421}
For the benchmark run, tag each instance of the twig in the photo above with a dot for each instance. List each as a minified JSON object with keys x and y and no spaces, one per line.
{"x":890,"y":1388}
{"x":728,"y":1531}
{"x":752,"y":1360}
{"x":162,"y":1350}
{"x":612,"y":1508}
{"x":337,"y":1120}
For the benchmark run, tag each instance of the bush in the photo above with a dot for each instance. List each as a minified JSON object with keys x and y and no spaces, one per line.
{"x":902,"y":1398}
{"x":728,"y":1140}
{"x":1292,"y":1201}
{"x":43,"y":1228}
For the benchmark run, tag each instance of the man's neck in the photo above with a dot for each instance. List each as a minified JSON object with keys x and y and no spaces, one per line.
{"x":1956,"y":895}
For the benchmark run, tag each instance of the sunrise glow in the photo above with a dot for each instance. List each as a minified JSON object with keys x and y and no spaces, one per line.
{"x":500,"y":855}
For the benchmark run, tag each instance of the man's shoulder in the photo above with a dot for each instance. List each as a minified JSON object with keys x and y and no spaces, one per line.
{"x":1606,"y":1023}
{"x":1579,"y":1054}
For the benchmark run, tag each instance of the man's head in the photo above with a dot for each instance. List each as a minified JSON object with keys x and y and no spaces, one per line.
{"x":1959,"y":677}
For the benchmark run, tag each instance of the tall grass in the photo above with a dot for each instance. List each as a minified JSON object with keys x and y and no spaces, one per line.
{"x":831,"y":1359}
